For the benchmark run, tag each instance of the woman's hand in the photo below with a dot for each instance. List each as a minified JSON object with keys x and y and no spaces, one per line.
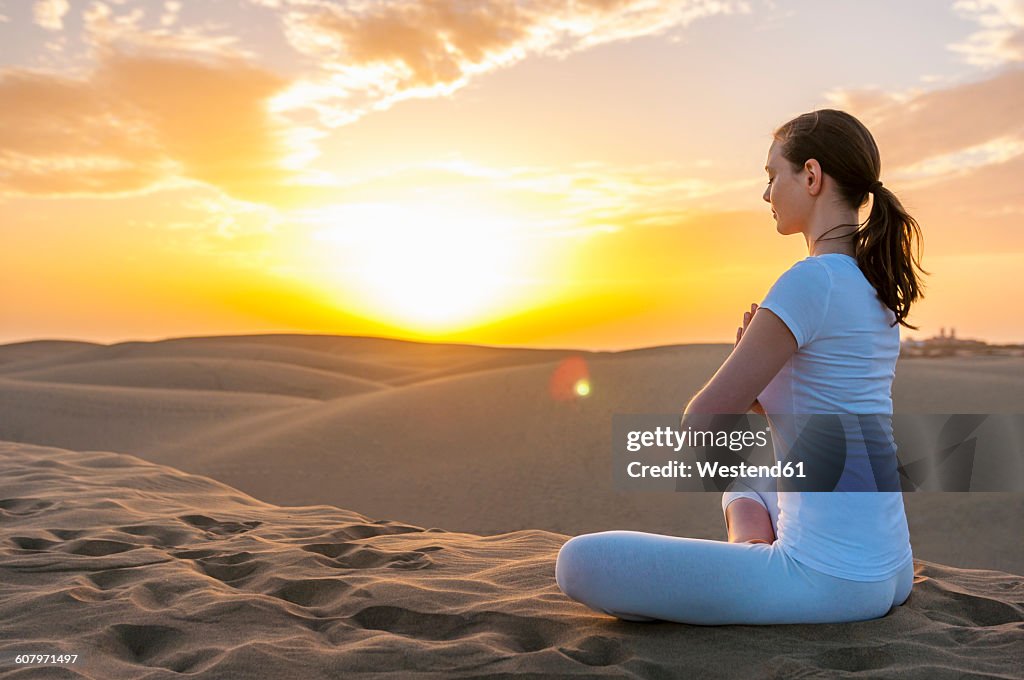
{"x":764,"y":353}
{"x":747,"y":316}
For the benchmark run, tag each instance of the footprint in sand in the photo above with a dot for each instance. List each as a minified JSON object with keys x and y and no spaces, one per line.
{"x":357,"y":556}
{"x":220,"y":528}
{"x":20,"y":507}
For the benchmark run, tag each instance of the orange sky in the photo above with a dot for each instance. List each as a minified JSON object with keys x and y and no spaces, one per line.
{"x":542,"y":174}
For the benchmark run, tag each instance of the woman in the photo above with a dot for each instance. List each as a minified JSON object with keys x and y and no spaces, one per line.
{"x":824,"y":340}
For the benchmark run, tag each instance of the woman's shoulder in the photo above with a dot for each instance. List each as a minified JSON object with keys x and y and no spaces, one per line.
{"x":809,"y":272}
{"x":843,"y":272}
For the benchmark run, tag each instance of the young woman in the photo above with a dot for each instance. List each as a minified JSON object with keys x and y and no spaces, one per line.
{"x":824,"y":340}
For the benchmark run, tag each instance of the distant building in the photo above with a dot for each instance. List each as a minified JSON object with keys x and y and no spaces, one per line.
{"x":943,"y":345}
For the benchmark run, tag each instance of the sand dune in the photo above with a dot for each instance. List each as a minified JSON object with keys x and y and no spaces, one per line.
{"x":202,"y":348}
{"x":180,"y":574}
{"x":35,"y":349}
{"x":466,"y":438}
{"x":494,"y":441}
{"x":513,"y":358}
{"x":370,"y":349}
{"x":149,"y":571}
{"x":959,"y":385}
{"x":87,"y":416}
{"x":201,"y":373}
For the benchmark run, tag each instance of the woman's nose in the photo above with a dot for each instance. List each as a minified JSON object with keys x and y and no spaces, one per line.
{"x":767,"y":195}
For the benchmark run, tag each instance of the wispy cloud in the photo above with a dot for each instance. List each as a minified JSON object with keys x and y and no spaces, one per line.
{"x":171,"y":100}
{"x":140,"y":118}
{"x":49,"y":14}
{"x":916,"y":127}
{"x":369,"y":56}
{"x":1001,"y":37}
{"x":105,"y":26}
{"x":955,"y":157}
{"x":170,"y":14}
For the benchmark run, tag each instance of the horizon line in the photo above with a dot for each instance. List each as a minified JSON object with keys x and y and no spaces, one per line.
{"x":344,"y":335}
{"x":422,"y":342}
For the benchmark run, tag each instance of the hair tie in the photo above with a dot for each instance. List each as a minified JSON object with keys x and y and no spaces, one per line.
{"x":876,"y":185}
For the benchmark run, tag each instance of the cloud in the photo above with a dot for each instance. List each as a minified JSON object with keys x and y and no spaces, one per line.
{"x":59,"y":135}
{"x":140,"y":118}
{"x":50,"y":13}
{"x":170,"y":15}
{"x":372,"y":55}
{"x":954,"y":156}
{"x":189,"y":104}
{"x":913,"y":127}
{"x":104,"y":26}
{"x":1001,"y":39}
{"x":968,"y":212}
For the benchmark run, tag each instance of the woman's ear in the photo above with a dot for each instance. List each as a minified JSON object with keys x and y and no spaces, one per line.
{"x":815,"y":177}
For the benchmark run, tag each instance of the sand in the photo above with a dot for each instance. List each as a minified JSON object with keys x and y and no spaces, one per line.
{"x":412,"y":499}
{"x":145,"y":571}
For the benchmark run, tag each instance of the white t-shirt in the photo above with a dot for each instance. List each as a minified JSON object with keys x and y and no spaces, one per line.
{"x":844,"y":364}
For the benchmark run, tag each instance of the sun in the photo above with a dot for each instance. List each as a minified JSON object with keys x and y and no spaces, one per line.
{"x":425,"y":267}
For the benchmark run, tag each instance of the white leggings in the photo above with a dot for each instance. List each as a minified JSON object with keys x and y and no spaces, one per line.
{"x":638,"y":576}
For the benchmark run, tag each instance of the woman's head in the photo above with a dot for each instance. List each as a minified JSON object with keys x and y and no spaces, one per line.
{"x":828,"y":159}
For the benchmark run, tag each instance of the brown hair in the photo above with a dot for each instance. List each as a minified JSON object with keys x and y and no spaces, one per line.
{"x":848,"y":154}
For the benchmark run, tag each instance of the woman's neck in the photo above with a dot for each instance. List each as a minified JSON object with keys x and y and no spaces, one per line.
{"x":844,"y":247}
{"x":836,"y":237}
{"x":831,"y":230}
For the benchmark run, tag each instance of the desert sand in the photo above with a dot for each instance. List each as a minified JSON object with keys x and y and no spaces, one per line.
{"x":412,"y":499}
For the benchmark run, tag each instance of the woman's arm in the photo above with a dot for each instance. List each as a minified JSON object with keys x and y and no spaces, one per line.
{"x":763,"y":346}
{"x":747,"y":316}
{"x":763,"y":349}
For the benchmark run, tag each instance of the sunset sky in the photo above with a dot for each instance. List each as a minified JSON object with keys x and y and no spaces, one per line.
{"x":539,"y":173}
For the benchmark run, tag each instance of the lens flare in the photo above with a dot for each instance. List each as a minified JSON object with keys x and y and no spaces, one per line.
{"x":570,"y":379}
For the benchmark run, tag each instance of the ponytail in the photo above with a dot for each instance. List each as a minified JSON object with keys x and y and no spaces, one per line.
{"x":883,"y":251}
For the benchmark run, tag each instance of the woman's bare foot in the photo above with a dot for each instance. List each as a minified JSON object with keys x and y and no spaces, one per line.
{"x":748,"y":521}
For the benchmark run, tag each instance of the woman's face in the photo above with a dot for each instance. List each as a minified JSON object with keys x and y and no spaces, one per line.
{"x":786,"y":193}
